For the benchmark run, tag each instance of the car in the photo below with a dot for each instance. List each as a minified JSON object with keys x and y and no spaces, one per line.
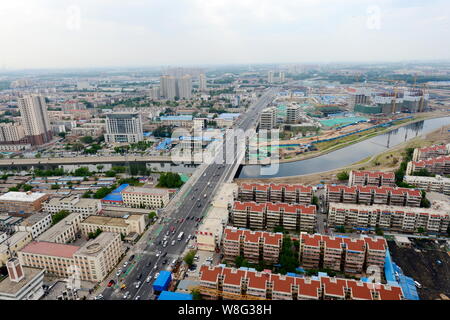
{"x":155,"y":266}
{"x":173,"y":232}
{"x":139,"y":276}
{"x":149,"y":264}
{"x":125,"y":264}
{"x":165,"y":244}
{"x":125,"y":296}
{"x":131,"y":257}
{"x":164,"y":254}
{"x":187,"y":240}
{"x":173,"y":242}
{"x":138,"y":284}
{"x":167,"y":233}
{"x":182,"y":220}
{"x":198,"y":219}
{"x":149,"y":278}
{"x":165,"y":238}
{"x":137,"y":298}
{"x":164,"y":261}
{"x":174,"y":261}
{"x":118,"y":272}
{"x":111,"y":283}
{"x":197,"y":224}
{"x":99,"y":297}
{"x":196,"y":257}
{"x":156,"y":275}
{"x":209,"y":259}
{"x":158,"y":253}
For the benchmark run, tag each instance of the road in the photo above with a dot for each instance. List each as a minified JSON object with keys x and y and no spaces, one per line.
{"x":147,"y":261}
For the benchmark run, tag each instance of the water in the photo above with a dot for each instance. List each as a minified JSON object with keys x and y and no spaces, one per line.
{"x":351,"y":154}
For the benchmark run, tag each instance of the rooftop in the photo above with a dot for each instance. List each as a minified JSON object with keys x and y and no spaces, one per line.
{"x":142,"y":190}
{"x":12,"y":287}
{"x":95,"y":246}
{"x":106,"y":221}
{"x":22,"y":196}
{"x":53,"y":249}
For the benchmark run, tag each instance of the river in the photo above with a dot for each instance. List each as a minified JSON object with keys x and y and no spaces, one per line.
{"x":347,"y":155}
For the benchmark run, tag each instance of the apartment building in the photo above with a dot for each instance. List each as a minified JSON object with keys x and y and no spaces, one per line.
{"x":150,"y":198}
{"x":34,"y":116}
{"x":439,"y":165}
{"x":350,"y":255}
{"x":129,"y":224}
{"x":289,"y":193}
{"x":245,"y":284}
{"x":269,"y":215}
{"x":35,"y":224}
{"x":74,"y":204}
{"x":370,"y":195}
{"x":431,"y":152}
{"x":252,"y":245}
{"x":371,"y":178}
{"x":12,"y":133}
{"x":22,"y":203}
{"x":268,"y":118}
{"x":436,"y":184}
{"x":397,"y":218}
{"x":91,"y":262}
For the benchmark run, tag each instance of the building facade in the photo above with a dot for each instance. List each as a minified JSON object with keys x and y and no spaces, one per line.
{"x":151,"y":198}
{"x":124,"y":128}
{"x":35,"y":121}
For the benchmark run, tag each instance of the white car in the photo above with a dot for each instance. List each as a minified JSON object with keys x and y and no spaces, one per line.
{"x":156,"y":275}
{"x":209,"y":259}
{"x":125,"y":296}
{"x":173,"y":242}
{"x":138,"y":284}
{"x":125,"y":264}
{"x":158,"y":253}
{"x":148,"y":279}
{"x":118,"y":272}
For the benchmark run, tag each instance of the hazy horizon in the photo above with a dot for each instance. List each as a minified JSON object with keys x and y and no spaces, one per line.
{"x":49,"y":34}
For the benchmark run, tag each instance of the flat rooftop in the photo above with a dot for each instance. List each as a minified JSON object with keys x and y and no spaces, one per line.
{"x":143,"y":190}
{"x":33,"y":219}
{"x":106,"y":221}
{"x":94,"y":247}
{"x":12,"y":288}
{"x":53,"y":249}
{"x":22,"y":196}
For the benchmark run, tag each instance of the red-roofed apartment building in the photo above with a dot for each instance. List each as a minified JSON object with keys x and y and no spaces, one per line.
{"x":439,"y":165}
{"x":247,"y":284}
{"x":431,"y":152}
{"x":371,"y":178}
{"x":252,"y":245}
{"x":289,"y":193}
{"x":340,"y":253}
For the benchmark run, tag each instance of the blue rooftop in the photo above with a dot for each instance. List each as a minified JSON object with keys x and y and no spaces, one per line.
{"x":228,"y":115}
{"x":115,"y":194}
{"x":182,"y":118}
{"x":168,"y":295}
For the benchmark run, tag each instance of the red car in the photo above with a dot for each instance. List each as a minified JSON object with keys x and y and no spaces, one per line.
{"x":111,"y":283}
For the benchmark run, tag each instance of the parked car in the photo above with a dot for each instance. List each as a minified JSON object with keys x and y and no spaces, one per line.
{"x":111,"y":283}
{"x":125,"y":264}
{"x":125,"y":296}
{"x":131,"y":257}
{"x":157,"y":275}
{"x":138,"y":284}
{"x":148,"y":279}
{"x":118,"y":272}
{"x":173,"y":242}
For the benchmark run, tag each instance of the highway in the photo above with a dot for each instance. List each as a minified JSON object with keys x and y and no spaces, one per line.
{"x":147,"y":261}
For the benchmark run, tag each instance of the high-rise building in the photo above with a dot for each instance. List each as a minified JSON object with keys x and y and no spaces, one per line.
{"x":282,"y":76}
{"x":268,"y":118}
{"x":123,"y":128}
{"x":168,"y":87}
{"x":33,"y":110}
{"x":270,"y":77}
{"x":202,"y":82}
{"x":292,"y":114}
{"x":184,"y":87}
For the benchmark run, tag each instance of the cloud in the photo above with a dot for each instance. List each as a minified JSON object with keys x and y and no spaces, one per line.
{"x":94,"y":33}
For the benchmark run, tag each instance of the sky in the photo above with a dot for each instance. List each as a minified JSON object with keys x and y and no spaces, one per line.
{"x":119,"y":33}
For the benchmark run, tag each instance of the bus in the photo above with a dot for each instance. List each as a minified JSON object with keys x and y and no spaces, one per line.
{"x":180,"y":236}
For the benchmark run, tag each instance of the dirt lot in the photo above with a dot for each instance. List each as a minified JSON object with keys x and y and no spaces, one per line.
{"x":423,"y":266}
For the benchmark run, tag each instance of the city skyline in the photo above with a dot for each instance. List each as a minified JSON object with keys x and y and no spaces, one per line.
{"x":95,"y":34}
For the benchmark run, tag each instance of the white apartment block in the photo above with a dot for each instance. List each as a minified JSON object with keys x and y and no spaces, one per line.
{"x":397,"y":218}
{"x":36,"y":224}
{"x":150,"y":198}
{"x":65,"y":230}
{"x":268,"y":118}
{"x":124,"y":128}
{"x":437,"y":184}
{"x":73,"y":204}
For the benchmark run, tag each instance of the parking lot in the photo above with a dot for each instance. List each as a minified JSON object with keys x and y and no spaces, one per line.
{"x":426,"y":262}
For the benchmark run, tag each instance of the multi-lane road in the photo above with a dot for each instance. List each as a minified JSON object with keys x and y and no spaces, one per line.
{"x":150,"y":253}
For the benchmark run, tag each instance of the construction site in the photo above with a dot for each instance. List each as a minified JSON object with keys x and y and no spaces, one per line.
{"x":428,"y":263}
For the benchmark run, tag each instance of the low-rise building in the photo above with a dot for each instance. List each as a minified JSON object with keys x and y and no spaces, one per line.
{"x":439,"y":165}
{"x":252,"y":245}
{"x":13,"y":244}
{"x":74,"y":204}
{"x":35,"y":224}
{"x":371,"y":178}
{"x":22,"y":203}
{"x":65,"y":230}
{"x":397,"y":218}
{"x":151,"y":198}
{"x":22,"y":283}
{"x":289,"y":193}
{"x":431,"y":152}
{"x":245,"y":284}
{"x":128,"y":224}
{"x":436,"y":184}
{"x":91,"y":262}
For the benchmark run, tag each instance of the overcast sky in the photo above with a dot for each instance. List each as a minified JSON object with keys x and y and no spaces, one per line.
{"x":102,"y":33}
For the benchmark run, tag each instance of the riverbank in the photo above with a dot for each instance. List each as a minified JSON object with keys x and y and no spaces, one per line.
{"x":385,"y":161}
{"x":341,"y":143}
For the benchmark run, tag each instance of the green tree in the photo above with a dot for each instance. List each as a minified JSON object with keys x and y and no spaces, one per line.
{"x":27,"y":187}
{"x":87,"y":140}
{"x":240,"y":261}
{"x":196,"y":295}
{"x":342,"y":176}
{"x":100,"y":167}
{"x":59,"y":216}
{"x":82,"y":172}
{"x":189,"y":258}
{"x":55,"y":186}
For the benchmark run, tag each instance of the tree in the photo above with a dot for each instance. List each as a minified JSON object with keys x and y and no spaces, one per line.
{"x":93,"y":235}
{"x":27,"y":187}
{"x":87,"y":140}
{"x":189,"y":258}
{"x":55,"y":186}
{"x":59,"y":216}
{"x":82,"y":172}
{"x":420,"y":230}
{"x":425,"y":203}
{"x":170,"y":180}
{"x":151,"y":215}
{"x":62,"y":134}
{"x":196,"y":295}
{"x":379,"y":231}
{"x":342,"y":176}
{"x":240,"y":261}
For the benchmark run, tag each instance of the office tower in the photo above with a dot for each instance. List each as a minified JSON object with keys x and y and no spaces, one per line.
{"x":270,"y":77}
{"x":202,"y":80}
{"x":184,"y":86}
{"x":168,"y":87}
{"x":268,"y":118}
{"x":35,"y":119}
{"x":282,"y":76}
{"x":123,"y":128}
